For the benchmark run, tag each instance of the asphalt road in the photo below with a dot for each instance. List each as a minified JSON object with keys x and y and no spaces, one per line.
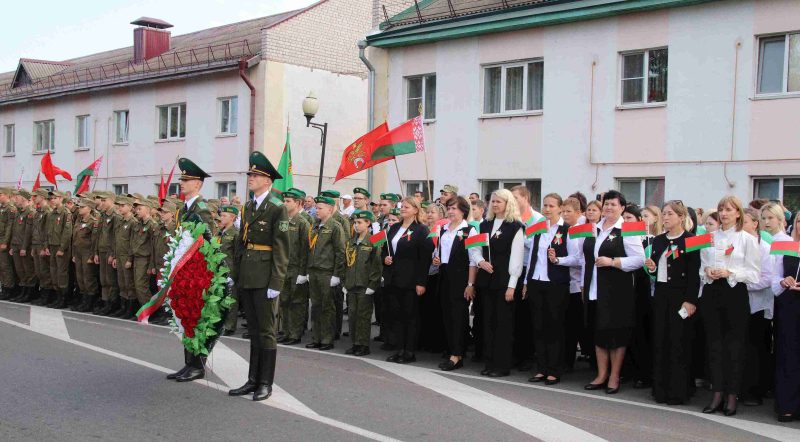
{"x":70,"y":376}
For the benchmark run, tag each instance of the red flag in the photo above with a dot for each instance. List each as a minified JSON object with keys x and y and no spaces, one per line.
{"x":37,"y":184}
{"x":356,"y":157}
{"x":51,"y":172}
{"x":162,"y":190}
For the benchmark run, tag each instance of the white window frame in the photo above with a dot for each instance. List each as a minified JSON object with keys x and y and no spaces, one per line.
{"x":180,"y":129}
{"x":507,"y":183}
{"x":642,"y":187}
{"x":122,"y":138}
{"x":412,"y":186}
{"x":85,"y":132}
{"x":51,"y":124}
{"x":173,"y":189}
{"x":781,"y":184}
{"x":504,"y":66}
{"x":233,"y":115}
{"x":227,"y":185}
{"x":120,"y":189}
{"x":646,"y":84}
{"x":423,"y":98}
{"x":785,"y":77}
{"x":9,"y":143}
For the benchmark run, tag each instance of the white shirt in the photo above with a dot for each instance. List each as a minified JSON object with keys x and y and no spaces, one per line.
{"x":347,"y":211}
{"x":744,"y":262}
{"x":777,"y":266}
{"x":446,"y":239}
{"x":540,"y":272}
{"x":516,"y":257}
{"x":661,"y":264}
{"x":576,"y":270}
{"x":397,"y":236}
{"x":529,"y":241}
{"x":188,"y":203}
{"x":760,"y":293}
{"x":633,"y":248}
{"x":260,"y":198}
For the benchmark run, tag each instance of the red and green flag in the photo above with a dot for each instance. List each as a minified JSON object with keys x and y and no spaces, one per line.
{"x":378,"y":239}
{"x":536,"y":228}
{"x":404,"y":139}
{"x":527,"y":217}
{"x":785,"y":248}
{"x":766,"y":236}
{"x":581,"y":231}
{"x":672,"y":251}
{"x":86,"y":174}
{"x":434,"y":236}
{"x":356,"y":156}
{"x":635,"y":228}
{"x":698,"y":242}
{"x":479,"y":240}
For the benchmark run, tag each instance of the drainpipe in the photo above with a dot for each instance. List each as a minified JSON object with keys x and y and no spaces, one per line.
{"x":362,"y":46}
{"x":243,"y":73}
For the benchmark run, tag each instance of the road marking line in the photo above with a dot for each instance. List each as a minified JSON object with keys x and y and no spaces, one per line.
{"x":315,"y":417}
{"x":534,"y":423}
{"x":48,"y":322}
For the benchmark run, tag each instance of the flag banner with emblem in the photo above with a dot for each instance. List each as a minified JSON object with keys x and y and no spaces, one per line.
{"x":357,"y":156}
{"x":636,"y":228}
{"x":83,"y":178}
{"x":765,"y":236}
{"x":402,"y":140}
{"x":785,"y":248}
{"x":581,"y":231}
{"x":698,"y":242}
{"x":479,"y":240}
{"x":378,"y":239}
{"x":50,"y":171}
{"x":536,"y":229}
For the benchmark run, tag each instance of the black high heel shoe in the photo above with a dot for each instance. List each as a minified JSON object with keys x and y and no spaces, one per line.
{"x":730,"y":408}
{"x":591,"y":386}
{"x":711,"y":408}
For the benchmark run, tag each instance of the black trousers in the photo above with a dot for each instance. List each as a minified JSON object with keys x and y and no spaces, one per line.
{"x":757,"y":355}
{"x":548,"y":303}
{"x":477,"y":323}
{"x":377,"y":299}
{"x":640,"y":351}
{"x":787,"y":352}
{"x":402,"y":306}
{"x":498,"y":329}
{"x":431,"y":330}
{"x":672,"y":345}
{"x":574,"y":330}
{"x":455,"y":314}
{"x":523,"y":325}
{"x":262,"y":316}
{"x":726,"y":312}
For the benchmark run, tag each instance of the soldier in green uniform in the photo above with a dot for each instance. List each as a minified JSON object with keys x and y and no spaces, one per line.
{"x":361,"y":198}
{"x":123,"y":257}
{"x":59,"y":238}
{"x":227,"y":240}
{"x":325,"y":269}
{"x":165,"y":219}
{"x":41,"y":262}
{"x":104,"y":257}
{"x":294,"y":295}
{"x":20,"y":246}
{"x":85,"y":235}
{"x":362,"y":279}
{"x":262,"y":258}
{"x":142,"y":251}
{"x":8,"y":279}
{"x":338,"y":294}
{"x":306,"y":216}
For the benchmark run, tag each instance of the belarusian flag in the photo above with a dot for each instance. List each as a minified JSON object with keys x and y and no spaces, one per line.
{"x":698,"y":242}
{"x":404,"y":139}
{"x":785,"y":248}
{"x":86,"y":174}
{"x":585,"y":230}
{"x":285,"y":169}
{"x":536,"y":228}
{"x":434,"y":236}
{"x":636,"y":228}
{"x":766,"y":236}
{"x":378,"y":239}
{"x":527,"y":217}
{"x":479,"y":240}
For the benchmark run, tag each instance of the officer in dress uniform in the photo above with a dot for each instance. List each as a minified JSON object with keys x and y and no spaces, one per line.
{"x":262,"y":258}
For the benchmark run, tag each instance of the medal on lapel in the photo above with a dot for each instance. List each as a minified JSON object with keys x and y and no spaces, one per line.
{"x":408,"y":235}
{"x":558,"y":239}
{"x":497,"y":234}
{"x":611,"y":237}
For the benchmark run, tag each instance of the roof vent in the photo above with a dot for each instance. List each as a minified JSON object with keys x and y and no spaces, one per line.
{"x":150,"y":39}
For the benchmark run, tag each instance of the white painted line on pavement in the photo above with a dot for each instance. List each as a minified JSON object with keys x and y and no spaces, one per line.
{"x":534,"y":423}
{"x":48,"y":331}
{"x":233,"y":369}
{"x":48,"y":322}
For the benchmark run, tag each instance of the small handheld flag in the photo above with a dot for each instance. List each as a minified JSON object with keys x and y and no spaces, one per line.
{"x":785,"y":248}
{"x":434,"y":236}
{"x":479,"y":240}
{"x":698,"y":242}
{"x":636,"y":228}
{"x":581,"y":231}
{"x":378,"y":239}
{"x":537,"y":228}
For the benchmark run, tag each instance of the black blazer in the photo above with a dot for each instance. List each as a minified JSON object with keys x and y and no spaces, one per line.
{"x":684,"y":272}
{"x":411,"y":260}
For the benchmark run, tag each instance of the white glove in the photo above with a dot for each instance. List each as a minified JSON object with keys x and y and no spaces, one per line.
{"x":272,"y":294}
{"x":335,"y":281}
{"x":229,"y":283}
{"x":370,"y":292}
{"x":344,"y":291}
{"x":301,"y":279}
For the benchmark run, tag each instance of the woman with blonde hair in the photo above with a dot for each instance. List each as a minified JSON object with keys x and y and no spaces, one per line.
{"x":732,"y":262}
{"x":500,"y":266}
{"x":406,"y":261}
{"x":651,"y":215}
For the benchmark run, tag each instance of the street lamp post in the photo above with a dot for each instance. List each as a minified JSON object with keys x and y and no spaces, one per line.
{"x":310,"y":107}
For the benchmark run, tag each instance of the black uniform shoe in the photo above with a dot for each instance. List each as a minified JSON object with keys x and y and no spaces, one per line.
{"x":325,"y":347}
{"x":394,"y":358}
{"x":499,"y":373}
{"x":350,"y":350}
{"x":449,"y":365}
{"x":195,"y":371}
{"x":638,"y":385}
{"x":245,"y":335}
{"x":314,"y":345}
{"x":122,"y":310}
{"x":362,"y":350}
{"x":590,"y":386}
{"x":552,"y":381}
{"x":88,"y":306}
{"x":60,"y":302}
{"x":187,"y":359}
{"x":291,"y":342}
{"x":252,"y":375}
{"x":407,"y":358}
{"x":44,"y":298}
{"x":99,"y":306}
{"x":266,"y":374}
{"x":30,"y":294}
{"x":228,"y":332}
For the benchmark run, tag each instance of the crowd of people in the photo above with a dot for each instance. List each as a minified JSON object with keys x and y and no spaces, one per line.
{"x":539,"y":291}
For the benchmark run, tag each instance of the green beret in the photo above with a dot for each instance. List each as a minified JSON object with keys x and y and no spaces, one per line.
{"x":395,"y":212}
{"x":260,"y":165}
{"x":297,"y":191}
{"x":292,"y":193}
{"x":191,"y":171}
{"x":23,"y":193}
{"x":425,"y":204}
{"x":390,"y":197}
{"x":362,"y":191}
{"x":363,"y":214}
{"x":331,"y":193}
{"x":325,"y":200}
{"x":229,"y":209}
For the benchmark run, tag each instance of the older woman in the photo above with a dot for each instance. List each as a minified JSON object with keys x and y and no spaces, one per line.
{"x":610,"y":258}
{"x":500,"y":267}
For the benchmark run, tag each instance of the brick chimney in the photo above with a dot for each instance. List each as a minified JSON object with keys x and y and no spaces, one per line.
{"x":150,"y":39}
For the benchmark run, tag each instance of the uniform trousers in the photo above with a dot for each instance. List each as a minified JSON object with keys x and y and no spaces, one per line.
{"x":262,"y":313}
{"x":86,"y":273}
{"x":498,"y":329}
{"x":127,"y":289}
{"x":574,"y":330}
{"x":359,"y":306}
{"x":141,"y":279}
{"x":294,"y":302}
{"x":455,"y":314}
{"x":726,"y":312}
{"x":108,"y":279}
{"x":59,"y":271}
{"x":23,"y":266}
{"x":787,"y":352}
{"x":41,"y":266}
{"x":7,"y":275}
{"x":323,"y":310}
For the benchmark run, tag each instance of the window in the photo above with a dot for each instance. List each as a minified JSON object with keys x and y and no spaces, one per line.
{"x":228,"y":115}
{"x":779,"y":189}
{"x":644,"y":77}
{"x":121,"y":126}
{"x":534,"y":187}
{"x":643,"y":192}
{"x":120,"y":189}
{"x":421,"y":97}
{"x":173,"y":189}
{"x":8,"y":139}
{"x":82,"y":131}
{"x":419,"y":186}
{"x":227,"y":188}
{"x":779,"y":64}
{"x":44,"y":133}
{"x":172,"y":122}
{"x":513,"y":88}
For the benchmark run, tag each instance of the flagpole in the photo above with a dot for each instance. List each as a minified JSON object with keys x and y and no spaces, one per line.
{"x":399,"y":181}
{"x":425,"y":155}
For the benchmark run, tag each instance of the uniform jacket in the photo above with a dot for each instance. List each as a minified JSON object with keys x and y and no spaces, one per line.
{"x":266,"y":225}
{"x":142,"y":240}
{"x":7,"y":212}
{"x":85,"y":234}
{"x":297,"y":241}
{"x":411,"y":260}
{"x":364,"y":265}
{"x":227,"y":245}
{"x":122,"y":240}
{"x":59,"y":230}
{"x":326,"y":248}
